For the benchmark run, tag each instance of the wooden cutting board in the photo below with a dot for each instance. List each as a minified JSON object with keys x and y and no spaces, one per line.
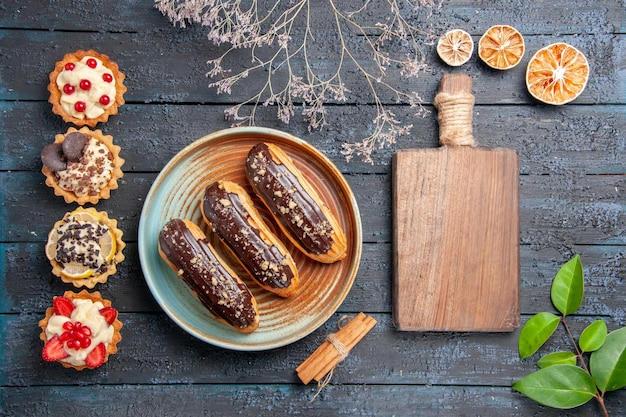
{"x":456,"y":227}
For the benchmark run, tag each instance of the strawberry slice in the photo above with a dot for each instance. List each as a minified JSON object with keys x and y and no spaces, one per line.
{"x":53,"y":350}
{"x":109,"y":314}
{"x":96,"y":357}
{"x":62,"y":306}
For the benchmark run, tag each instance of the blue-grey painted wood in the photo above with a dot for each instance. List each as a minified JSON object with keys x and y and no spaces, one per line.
{"x":564,"y":140}
{"x":572,"y":181}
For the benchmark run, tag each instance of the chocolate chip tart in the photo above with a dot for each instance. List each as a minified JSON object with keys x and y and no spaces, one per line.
{"x":84,"y":247}
{"x":82,"y":166}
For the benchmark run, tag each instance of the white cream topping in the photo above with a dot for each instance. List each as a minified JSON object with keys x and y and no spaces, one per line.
{"x":91,"y":173}
{"x":88,"y":314}
{"x":91,"y":97}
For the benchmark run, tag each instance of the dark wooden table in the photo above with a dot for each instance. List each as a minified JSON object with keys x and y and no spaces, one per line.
{"x":572,"y":185}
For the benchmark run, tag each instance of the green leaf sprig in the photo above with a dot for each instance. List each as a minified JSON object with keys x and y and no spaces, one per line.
{"x":566,"y":379}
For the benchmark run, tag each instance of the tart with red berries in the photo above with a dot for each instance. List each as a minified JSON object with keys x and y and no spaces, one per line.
{"x":82,"y":166}
{"x":86,"y":87}
{"x":84,"y":247}
{"x":80,"y":330}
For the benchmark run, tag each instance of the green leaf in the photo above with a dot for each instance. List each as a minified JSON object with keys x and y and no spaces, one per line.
{"x":608,"y":364}
{"x":557,"y":358}
{"x":568,"y":287}
{"x":536,"y":332}
{"x":558,"y":386}
{"x":593,"y":337}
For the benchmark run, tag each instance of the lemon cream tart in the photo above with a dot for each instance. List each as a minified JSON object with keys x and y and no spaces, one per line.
{"x":82,"y":166}
{"x":86,"y":87}
{"x":84,"y":247}
{"x":80,"y":330}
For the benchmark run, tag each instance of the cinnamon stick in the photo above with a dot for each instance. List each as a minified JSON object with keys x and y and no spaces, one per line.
{"x":334,"y":349}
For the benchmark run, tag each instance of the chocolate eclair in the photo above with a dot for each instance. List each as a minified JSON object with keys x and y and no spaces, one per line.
{"x":184,"y":247}
{"x":298,"y":209}
{"x":230,"y":212}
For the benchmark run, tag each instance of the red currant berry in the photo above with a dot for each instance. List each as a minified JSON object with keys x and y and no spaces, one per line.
{"x":69,"y":66}
{"x":107,"y":77}
{"x":68,"y":89}
{"x":104,"y":100}
{"x":80,"y":106}
{"x":92,"y":63}
{"x":85,"y":84}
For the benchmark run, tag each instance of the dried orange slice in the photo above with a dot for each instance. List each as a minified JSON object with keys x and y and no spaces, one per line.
{"x":455,"y":47}
{"x":557,"y":74}
{"x":501,"y":47}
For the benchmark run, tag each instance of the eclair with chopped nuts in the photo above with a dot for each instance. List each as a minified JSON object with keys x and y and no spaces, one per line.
{"x":230,"y":212}
{"x":184,"y":247}
{"x":299,"y":211}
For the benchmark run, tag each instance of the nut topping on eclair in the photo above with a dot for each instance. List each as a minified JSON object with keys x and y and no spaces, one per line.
{"x":185,"y":249}
{"x":230,"y":212}
{"x":295,"y":204}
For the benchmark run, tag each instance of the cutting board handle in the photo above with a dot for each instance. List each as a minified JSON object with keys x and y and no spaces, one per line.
{"x":454,"y":102}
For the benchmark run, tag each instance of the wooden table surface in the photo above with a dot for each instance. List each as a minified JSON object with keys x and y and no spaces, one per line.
{"x":572,"y":167}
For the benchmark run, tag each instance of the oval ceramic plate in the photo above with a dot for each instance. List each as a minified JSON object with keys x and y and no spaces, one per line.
{"x":177,"y":193}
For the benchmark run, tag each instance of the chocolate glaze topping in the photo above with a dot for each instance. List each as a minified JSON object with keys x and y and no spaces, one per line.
{"x":199,"y":267}
{"x":286,"y":198}
{"x":230,"y":220}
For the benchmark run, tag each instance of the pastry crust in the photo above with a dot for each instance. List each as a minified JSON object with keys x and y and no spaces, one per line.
{"x":297,"y":208}
{"x":111,"y":348}
{"x":56,"y":93}
{"x":183,"y":246}
{"x":105,"y":192}
{"x":96,"y":278}
{"x":229,"y":211}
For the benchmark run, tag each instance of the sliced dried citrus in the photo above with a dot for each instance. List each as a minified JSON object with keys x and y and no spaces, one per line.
{"x":75,"y":270}
{"x":455,"y":47}
{"x":557,"y":74}
{"x":108,"y":246}
{"x":51,"y":245}
{"x":85,"y":216}
{"x":501,"y":47}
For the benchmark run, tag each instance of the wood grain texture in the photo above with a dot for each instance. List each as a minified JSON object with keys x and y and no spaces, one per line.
{"x":161,"y":353}
{"x":572,"y":180}
{"x":218,"y":400}
{"x":456,"y":226}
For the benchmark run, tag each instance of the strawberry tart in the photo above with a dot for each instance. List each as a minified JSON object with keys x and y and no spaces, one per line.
{"x":80,"y":330}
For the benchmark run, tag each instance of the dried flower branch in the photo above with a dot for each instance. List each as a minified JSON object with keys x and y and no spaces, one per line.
{"x":282,"y":41}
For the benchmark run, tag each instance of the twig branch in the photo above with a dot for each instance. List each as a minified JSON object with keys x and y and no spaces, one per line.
{"x":242,"y":25}
{"x":599,"y":396}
